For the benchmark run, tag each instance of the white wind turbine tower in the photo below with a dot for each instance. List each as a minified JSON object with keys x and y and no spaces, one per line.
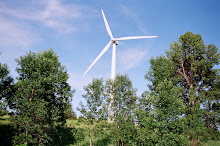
{"x":113,"y":41}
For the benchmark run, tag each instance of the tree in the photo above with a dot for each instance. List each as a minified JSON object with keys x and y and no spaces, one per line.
{"x":94,"y":97}
{"x":6,"y":87}
{"x":194,"y":63}
{"x":160,"y":110}
{"x":3,"y":107}
{"x":124,"y":95}
{"x":184,"y":93}
{"x":97,"y":95}
{"x":124,"y":106}
{"x":41,"y":97}
{"x":69,"y":113}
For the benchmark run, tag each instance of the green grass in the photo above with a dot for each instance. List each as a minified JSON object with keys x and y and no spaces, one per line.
{"x":71,"y":123}
{"x":5,"y":117}
{"x":76,"y":124}
{"x":213,"y":143}
{"x":4,"y":120}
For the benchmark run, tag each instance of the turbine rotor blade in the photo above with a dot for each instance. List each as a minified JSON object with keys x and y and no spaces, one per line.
{"x":106,"y":25}
{"x":97,"y":58}
{"x":134,"y":37}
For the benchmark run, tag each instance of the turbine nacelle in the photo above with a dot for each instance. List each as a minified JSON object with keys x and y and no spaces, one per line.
{"x":114,"y":42}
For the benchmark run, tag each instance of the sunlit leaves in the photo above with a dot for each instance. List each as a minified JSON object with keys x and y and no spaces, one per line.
{"x":42,"y":95}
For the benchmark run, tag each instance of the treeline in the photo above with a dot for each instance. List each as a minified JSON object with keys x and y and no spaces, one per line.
{"x":181,"y":107}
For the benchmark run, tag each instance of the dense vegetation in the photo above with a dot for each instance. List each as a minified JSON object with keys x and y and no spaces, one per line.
{"x":181,"y":106}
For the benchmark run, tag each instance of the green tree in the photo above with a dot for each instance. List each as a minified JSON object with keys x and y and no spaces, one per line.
{"x":3,"y":107}
{"x":102,"y":133}
{"x":69,"y":113}
{"x":6,"y":87}
{"x":93,"y":110}
{"x":42,"y":95}
{"x":194,"y":62}
{"x":124,"y":96}
{"x":122,"y":131}
{"x":184,"y":94}
{"x":160,"y":110}
{"x":124,"y":106}
{"x":79,"y":135}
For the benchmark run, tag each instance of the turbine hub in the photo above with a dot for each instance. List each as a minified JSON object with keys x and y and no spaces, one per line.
{"x":115,"y":42}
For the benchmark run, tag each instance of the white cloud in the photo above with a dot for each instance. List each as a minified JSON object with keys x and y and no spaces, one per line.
{"x":130,"y":58}
{"x":15,"y":35}
{"x":21,"y":25}
{"x":61,"y":17}
{"x":25,"y":24}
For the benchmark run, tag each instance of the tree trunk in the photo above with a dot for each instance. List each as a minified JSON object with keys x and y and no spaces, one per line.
{"x":90,"y":141}
{"x":194,"y":142}
{"x":90,"y":133}
{"x":32,"y":93}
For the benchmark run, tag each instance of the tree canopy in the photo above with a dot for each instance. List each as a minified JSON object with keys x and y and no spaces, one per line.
{"x":185,"y":89}
{"x":41,"y":97}
{"x":6,"y":87}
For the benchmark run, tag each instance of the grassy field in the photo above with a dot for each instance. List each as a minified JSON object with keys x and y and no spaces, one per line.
{"x":213,"y":143}
{"x":76,"y":124}
{"x":76,"y":132}
{"x":4,"y":120}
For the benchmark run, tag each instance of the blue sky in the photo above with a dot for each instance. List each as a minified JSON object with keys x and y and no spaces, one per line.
{"x":75,"y":30}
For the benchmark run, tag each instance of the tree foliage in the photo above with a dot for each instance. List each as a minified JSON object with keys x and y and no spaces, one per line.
{"x":124,"y":106}
{"x":95,"y":98}
{"x":194,"y":63}
{"x":97,"y":95}
{"x":94,"y":109}
{"x":184,"y":90}
{"x":124,"y":96}
{"x":41,"y":97}
{"x":69,"y":113}
{"x":160,"y":109}
{"x":6,"y":88}
{"x":6,"y":82}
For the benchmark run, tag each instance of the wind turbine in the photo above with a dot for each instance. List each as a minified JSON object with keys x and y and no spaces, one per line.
{"x":113,"y":41}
